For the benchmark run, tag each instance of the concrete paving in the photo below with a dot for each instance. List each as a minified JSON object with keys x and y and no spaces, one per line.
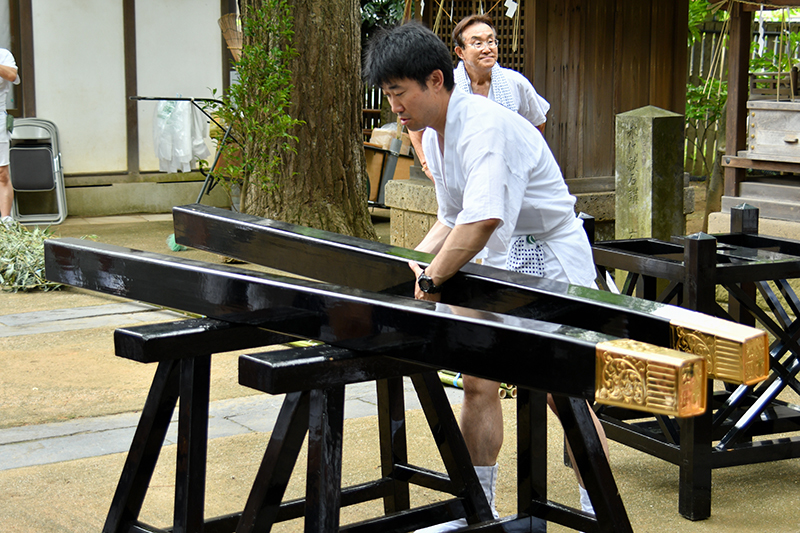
{"x":59,"y":471}
{"x":91,"y":437}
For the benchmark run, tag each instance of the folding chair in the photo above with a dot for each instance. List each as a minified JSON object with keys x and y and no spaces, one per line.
{"x":36,"y":174}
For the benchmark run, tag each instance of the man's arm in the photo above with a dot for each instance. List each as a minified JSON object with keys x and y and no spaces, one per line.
{"x":459,"y":247}
{"x":8,"y":73}
{"x":416,"y":142}
{"x":433,"y":241}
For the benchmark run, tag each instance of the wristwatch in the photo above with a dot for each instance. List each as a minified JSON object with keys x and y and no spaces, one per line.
{"x":426,"y":284}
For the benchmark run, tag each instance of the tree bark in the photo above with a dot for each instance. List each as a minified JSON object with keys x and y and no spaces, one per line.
{"x":324,"y":184}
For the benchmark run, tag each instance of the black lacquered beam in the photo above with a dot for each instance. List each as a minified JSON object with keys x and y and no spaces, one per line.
{"x":739,"y":258}
{"x":535,"y":354}
{"x":378,"y":267}
{"x":373,"y":266}
{"x":174,"y":340}
{"x":762,"y":242}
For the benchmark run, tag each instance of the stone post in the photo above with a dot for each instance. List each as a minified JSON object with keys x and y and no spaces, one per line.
{"x":414,"y":207}
{"x":649,"y":174}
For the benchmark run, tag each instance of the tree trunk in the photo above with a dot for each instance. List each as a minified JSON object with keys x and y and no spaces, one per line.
{"x":324,"y":184}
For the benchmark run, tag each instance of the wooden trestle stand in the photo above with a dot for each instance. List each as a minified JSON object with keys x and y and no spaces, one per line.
{"x":377,"y":336}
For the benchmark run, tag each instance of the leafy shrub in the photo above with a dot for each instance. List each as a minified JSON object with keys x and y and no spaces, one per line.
{"x":22,"y":259}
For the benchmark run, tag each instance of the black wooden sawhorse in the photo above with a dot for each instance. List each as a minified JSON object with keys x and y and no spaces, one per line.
{"x":741,"y":262}
{"x":373,"y":325}
{"x":320,"y":411}
{"x":183,"y":351}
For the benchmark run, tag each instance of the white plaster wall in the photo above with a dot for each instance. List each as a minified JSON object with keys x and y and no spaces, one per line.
{"x":80,"y":80}
{"x":5,"y":26}
{"x":178,"y":49}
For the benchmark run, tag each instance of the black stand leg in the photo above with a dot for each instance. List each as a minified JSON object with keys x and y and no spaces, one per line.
{"x":593,"y":465}
{"x":190,"y":475}
{"x":531,"y":453}
{"x":146,"y":445}
{"x":393,"y":442}
{"x":276,"y":467}
{"x":451,"y":446}
{"x":323,"y":487}
{"x":694,"y":493}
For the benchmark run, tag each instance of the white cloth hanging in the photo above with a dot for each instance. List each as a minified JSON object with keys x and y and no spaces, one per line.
{"x":179,"y":133}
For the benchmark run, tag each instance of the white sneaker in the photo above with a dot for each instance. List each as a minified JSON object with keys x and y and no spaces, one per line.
{"x":8,"y":221}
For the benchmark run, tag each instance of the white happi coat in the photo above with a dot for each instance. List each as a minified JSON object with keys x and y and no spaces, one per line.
{"x":510,"y":89}
{"x":496,"y":165}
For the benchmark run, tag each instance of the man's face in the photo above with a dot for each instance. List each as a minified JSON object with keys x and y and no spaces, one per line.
{"x":486,"y":57}
{"x":415,"y":105}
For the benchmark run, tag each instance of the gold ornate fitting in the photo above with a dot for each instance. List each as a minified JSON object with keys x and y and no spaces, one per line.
{"x":733,"y":352}
{"x":640,"y":376}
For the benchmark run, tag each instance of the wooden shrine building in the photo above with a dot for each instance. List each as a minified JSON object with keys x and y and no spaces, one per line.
{"x":591,"y":59}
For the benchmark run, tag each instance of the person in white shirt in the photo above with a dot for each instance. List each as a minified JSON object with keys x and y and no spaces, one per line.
{"x":478,"y":72}
{"x":8,"y":76}
{"x":497,"y":186}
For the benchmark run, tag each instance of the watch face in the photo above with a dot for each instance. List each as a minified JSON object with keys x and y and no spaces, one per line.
{"x":424,"y":284}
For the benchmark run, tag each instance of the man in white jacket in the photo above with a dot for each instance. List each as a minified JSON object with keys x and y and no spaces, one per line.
{"x":497,"y":186}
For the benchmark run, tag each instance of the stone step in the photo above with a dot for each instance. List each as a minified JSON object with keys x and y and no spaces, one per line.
{"x":777,"y":209}
{"x":591,"y":184}
{"x":598,"y":204}
{"x":769,"y":191}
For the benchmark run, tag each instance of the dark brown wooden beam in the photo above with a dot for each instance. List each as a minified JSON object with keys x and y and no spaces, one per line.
{"x":25,"y":59}
{"x":738,"y":65}
{"x":131,"y":85}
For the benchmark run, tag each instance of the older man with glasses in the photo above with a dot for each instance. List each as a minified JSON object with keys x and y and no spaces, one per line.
{"x":478,"y":72}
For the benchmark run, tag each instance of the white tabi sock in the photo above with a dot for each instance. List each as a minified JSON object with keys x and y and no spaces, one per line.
{"x":447,"y":526}
{"x":487,"y":475}
{"x":586,"y":503}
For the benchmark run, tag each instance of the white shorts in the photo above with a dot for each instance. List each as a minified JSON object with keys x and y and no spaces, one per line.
{"x":4,"y":153}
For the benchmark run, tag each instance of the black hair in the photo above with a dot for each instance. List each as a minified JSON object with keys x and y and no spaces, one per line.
{"x":409,"y":51}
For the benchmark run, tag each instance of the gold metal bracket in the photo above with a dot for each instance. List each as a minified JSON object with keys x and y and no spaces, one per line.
{"x":733,"y":352}
{"x":637,"y":375}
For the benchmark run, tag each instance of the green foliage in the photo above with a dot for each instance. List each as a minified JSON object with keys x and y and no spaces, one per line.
{"x":22,"y":259}
{"x":701,"y":11}
{"x":769,"y":60}
{"x":379,"y":13}
{"x":698,"y":12}
{"x":706,"y":102}
{"x":258,"y":105}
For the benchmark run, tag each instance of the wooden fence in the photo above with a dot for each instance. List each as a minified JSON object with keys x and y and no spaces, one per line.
{"x":702,"y":139}
{"x":705,"y":61}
